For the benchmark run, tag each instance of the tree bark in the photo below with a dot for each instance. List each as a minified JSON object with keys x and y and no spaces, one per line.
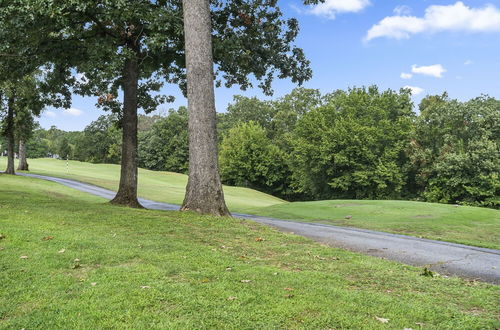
{"x":204,"y":192}
{"x":23,"y":162}
{"x":127,"y":191}
{"x":9,"y":136}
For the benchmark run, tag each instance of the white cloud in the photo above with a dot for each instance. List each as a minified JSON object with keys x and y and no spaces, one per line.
{"x":73,"y":112}
{"x":405,"y":75}
{"x":50,"y":114}
{"x":456,"y":17}
{"x":468,"y":62}
{"x":402,"y":10}
{"x":414,"y":90}
{"x":435,"y":70}
{"x":330,"y":8}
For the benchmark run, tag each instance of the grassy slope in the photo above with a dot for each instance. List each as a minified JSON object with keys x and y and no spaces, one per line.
{"x":182,"y":259}
{"x":466,"y":225}
{"x":165,"y":187}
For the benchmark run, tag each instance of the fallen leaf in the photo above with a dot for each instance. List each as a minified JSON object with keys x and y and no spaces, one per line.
{"x":229,"y":269}
{"x":61,"y":251}
{"x":145,"y":287}
{"x":47,"y":238}
{"x":427,"y":272}
{"x":420,"y":324}
{"x":381,"y":319}
{"x":246,"y":281}
{"x":205,"y":280}
{"x":93,"y":283}
{"x":275,"y":274}
{"x":231,"y":298}
{"x":348,"y":217}
{"x":23,"y":257}
{"x":76,"y":260}
{"x":288,"y":289}
{"x":75,"y":266}
{"x":289,"y":296}
{"x":407,"y":329}
{"x":259,"y":239}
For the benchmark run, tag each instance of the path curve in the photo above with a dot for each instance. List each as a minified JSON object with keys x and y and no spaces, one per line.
{"x":443,"y":257}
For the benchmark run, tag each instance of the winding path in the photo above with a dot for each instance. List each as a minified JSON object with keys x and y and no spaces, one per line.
{"x":442,"y":257}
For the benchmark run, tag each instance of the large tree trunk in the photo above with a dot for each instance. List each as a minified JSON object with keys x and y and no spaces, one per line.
{"x":9,"y":135}
{"x":23,"y":162}
{"x":127,"y":191}
{"x":204,"y":189}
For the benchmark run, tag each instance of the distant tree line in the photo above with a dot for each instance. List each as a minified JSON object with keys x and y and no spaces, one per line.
{"x":357,"y":144}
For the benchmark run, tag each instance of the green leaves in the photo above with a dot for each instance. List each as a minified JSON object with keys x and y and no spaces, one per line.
{"x":353,"y":145}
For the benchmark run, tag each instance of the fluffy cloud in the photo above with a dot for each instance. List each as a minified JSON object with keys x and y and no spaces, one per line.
{"x":456,"y":17}
{"x":73,"y":112}
{"x":405,"y":75}
{"x":330,"y":8}
{"x":414,"y":90}
{"x":435,"y":70}
{"x":468,"y":62}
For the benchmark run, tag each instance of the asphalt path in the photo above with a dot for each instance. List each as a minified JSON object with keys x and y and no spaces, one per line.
{"x":442,"y":257}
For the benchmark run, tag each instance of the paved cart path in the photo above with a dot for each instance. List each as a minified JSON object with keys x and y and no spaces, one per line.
{"x":442,"y":257}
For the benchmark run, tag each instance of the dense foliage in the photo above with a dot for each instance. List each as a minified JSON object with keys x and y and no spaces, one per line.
{"x":362,"y":144}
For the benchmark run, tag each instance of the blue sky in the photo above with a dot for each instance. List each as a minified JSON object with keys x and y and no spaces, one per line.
{"x":431,"y":45}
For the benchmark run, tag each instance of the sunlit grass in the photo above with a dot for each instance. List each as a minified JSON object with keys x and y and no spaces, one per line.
{"x":91,"y":265}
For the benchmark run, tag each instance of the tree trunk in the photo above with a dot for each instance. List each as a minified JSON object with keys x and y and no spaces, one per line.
{"x":23,"y":163}
{"x":9,"y":136}
{"x":127,"y":191}
{"x":204,"y":189}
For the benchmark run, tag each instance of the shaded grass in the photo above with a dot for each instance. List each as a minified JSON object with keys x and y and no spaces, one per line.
{"x":155,"y":269}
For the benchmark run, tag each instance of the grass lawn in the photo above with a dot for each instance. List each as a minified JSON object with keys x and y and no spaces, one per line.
{"x":467,"y":225}
{"x":90,"y":265}
{"x":165,"y":187}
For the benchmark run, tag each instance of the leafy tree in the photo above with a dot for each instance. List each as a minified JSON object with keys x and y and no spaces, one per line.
{"x":165,"y":146}
{"x":246,"y":109}
{"x":354,"y":145}
{"x":64,"y":149}
{"x":24,"y":98}
{"x":248,"y":158}
{"x":100,"y":141}
{"x":454,"y":154}
{"x":37,"y":146}
{"x":123,"y":44}
{"x":290,"y":108}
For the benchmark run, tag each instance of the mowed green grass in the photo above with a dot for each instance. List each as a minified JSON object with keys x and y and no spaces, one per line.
{"x":460,"y":224}
{"x":165,"y":187}
{"x":467,"y":225}
{"x":91,"y":265}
